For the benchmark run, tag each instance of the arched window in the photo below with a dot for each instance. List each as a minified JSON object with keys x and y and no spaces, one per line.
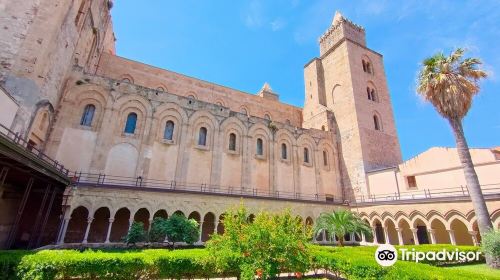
{"x":373,"y":95}
{"x":368,"y":93}
{"x":88,"y":115}
{"x":283,"y":151}
{"x":267,"y":117}
{"x":232,"y":142}
{"x":323,"y":128}
{"x":368,"y":67}
{"x":306,"y":155}
{"x":325,"y":158}
{"x":376,"y":122}
{"x":364,"y":65}
{"x":260,"y":149}
{"x":131,"y":123}
{"x":244,"y":111}
{"x":202,"y":136}
{"x":169,"y":130}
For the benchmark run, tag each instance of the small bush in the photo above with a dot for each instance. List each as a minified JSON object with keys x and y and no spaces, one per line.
{"x":490,"y":244}
{"x":136,"y":233}
{"x":180,"y":229}
{"x":158,"y":230}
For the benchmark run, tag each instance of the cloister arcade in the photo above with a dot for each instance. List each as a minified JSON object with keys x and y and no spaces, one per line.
{"x":110,"y":226}
{"x":416,"y":228}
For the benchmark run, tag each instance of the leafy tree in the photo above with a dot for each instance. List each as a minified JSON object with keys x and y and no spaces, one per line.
{"x":271,"y":244}
{"x":180,"y":229}
{"x":450,"y":83}
{"x":136,"y":233}
{"x":340,"y":223}
{"x":158,"y":230}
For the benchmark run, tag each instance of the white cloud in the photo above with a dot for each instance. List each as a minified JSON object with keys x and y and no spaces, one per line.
{"x":278,"y":24}
{"x":253,"y":15}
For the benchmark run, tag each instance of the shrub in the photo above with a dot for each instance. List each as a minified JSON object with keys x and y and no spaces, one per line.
{"x":271,"y":244}
{"x":136,"y":233}
{"x":181,"y":229}
{"x":490,"y":246}
{"x":158,"y":230}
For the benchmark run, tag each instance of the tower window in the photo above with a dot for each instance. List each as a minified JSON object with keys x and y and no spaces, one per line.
{"x":283,"y":151}
{"x":306,"y":155}
{"x":267,"y":117}
{"x":371,"y":94}
{"x":169,"y":130}
{"x":232,"y":142}
{"x":376,"y":122}
{"x":202,"y":136}
{"x":131,"y":123}
{"x":88,"y":115}
{"x":260,"y":150}
{"x":364,"y":65}
{"x":323,"y":128}
{"x":325,"y":158}
{"x":412,"y":182}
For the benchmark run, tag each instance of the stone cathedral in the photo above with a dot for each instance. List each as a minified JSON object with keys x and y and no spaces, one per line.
{"x":95,"y":141}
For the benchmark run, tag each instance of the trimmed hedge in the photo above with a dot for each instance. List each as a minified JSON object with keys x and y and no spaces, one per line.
{"x":348,"y":262}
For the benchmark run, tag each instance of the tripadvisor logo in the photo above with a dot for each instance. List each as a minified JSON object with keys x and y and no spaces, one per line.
{"x":387,"y":255}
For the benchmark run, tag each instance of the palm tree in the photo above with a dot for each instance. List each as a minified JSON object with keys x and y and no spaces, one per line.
{"x":340,"y":223}
{"x":450,"y":83}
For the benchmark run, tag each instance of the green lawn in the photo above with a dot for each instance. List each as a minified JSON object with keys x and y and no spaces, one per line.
{"x":482,"y":270}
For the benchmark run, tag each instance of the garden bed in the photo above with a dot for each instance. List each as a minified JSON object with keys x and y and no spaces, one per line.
{"x":346,"y":262}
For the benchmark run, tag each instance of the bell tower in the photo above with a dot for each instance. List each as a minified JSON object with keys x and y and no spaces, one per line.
{"x":346,"y":91}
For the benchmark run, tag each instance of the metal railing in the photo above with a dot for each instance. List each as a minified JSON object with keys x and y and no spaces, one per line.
{"x":16,"y":139}
{"x":421,"y":194}
{"x":103,"y":180}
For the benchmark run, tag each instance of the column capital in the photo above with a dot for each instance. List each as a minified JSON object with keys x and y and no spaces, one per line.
{"x":414,"y":230}
{"x":431,"y":230}
{"x":473,"y":232}
{"x":111,"y":220}
{"x":90,"y":219}
{"x":450,"y":231}
{"x":399,"y":229}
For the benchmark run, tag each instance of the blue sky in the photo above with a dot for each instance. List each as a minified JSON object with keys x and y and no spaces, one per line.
{"x":242,"y":44}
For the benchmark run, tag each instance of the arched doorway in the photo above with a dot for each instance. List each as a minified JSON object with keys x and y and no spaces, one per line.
{"x":390,"y":227}
{"x":422,"y":233}
{"x":120,"y":225}
{"x":99,"y":227}
{"x":142,"y":215}
{"x":369,"y":238}
{"x":379,"y":231}
{"x":161,"y":213}
{"x":220,"y":226}
{"x":77,"y":225}
{"x":462,"y":236}
{"x":440,"y":233}
{"x":208,"y":226}
{"x":406,"y":232}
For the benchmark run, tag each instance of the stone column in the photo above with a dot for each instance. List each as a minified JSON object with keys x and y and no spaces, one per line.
{"x":473,"y":234}
{"x":400,"y":236}
{"x":415,"y":236}
{"x":386,"y":235}
{"x":89,"y":223}
{"x":201,"y":233}
{"x":452,"y":237}
{"x":432,"y":234}
{"x":111,"y":220}
{"x":353,"y":238}
{"x":375,"y":239}
{"x":63,"y":233}
{"x":323,"y":236}
{"x":130,"y":222}
{"x":363,"y":238}
{"x":216,"y":225}
{"x":150,"y":224}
